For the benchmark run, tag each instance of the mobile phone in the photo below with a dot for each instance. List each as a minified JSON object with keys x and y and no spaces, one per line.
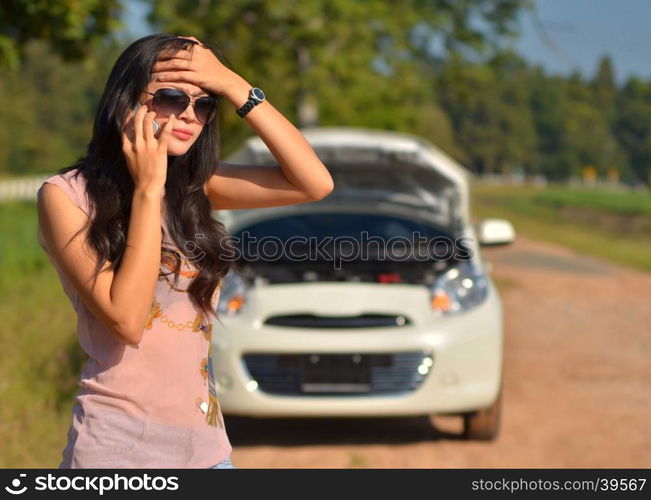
{"x":156,"y":125}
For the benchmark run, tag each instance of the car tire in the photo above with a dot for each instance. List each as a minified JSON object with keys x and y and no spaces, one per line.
{"x":484,"y":424}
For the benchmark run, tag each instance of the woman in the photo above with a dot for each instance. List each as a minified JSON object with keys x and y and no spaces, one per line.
{"x":129,"y":230}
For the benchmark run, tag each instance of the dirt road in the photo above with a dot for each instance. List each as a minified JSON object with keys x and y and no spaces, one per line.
{"x":577,"y":382}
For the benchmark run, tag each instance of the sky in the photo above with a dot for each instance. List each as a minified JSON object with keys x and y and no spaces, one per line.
{"x":563,"y":35}
{"x":584,"y":30}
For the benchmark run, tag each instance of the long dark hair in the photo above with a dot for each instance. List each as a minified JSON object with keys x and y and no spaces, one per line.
{"x":110,"y":186}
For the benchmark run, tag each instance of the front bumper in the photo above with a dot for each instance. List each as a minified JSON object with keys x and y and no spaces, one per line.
{"x":467,"y":353}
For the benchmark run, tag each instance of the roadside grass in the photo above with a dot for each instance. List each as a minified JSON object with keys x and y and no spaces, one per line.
{"x":604,"y":200}
{"x":561,"y":215}
{"x":41,"y":358}
{"x":356,"y":460}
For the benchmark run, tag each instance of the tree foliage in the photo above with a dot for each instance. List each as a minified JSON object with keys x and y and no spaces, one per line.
{"x":69,"y":26}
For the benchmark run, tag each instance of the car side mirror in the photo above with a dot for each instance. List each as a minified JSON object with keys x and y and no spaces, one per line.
{"x":496,"y":232}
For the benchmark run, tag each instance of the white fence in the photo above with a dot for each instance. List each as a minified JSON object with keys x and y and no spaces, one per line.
{"x":23,"y":188}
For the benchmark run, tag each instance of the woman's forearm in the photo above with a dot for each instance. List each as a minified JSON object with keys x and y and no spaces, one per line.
{"x":134,"y":283}
{"x":300,"y":164}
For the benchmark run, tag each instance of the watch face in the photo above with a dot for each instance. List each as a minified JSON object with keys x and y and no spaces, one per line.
{"x":258,"y":94}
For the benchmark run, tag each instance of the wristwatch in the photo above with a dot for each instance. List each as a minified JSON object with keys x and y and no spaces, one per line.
{"x":256,"y":96}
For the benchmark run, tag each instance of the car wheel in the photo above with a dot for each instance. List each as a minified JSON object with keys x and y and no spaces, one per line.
{"x":484,"y":424}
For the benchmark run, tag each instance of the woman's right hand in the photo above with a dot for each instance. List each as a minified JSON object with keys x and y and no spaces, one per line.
{"x":146,"y":156}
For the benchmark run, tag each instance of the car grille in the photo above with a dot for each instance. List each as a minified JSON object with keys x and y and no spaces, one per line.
{"x":359,"y":321}
{"x":338,"y":374}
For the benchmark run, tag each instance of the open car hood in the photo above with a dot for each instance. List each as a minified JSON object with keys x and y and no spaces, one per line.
{"x":387,"y":171}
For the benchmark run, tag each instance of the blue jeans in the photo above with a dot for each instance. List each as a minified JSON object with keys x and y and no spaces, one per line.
{"x":225,"y":464}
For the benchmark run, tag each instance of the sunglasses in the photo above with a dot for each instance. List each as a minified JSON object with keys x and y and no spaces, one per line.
{"x":172,"y":101}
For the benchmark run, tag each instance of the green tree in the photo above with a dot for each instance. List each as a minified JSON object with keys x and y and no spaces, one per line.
{"x":70,"y":26}
{"x":604,"y":88}
{"x":548,"y":103}
{"x":489,"y":107}
{"x":589,"y":140}
{"x":633,"y":126}
{"x":48,"y":106}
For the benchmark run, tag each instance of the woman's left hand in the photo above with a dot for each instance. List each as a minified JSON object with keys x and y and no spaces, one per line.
{"x":199,"y":66}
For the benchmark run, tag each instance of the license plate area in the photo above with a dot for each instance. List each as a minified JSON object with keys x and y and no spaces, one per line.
{"x":338,"y":373}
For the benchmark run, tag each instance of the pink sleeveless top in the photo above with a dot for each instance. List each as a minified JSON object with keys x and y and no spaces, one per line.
{"x":153,"y":405}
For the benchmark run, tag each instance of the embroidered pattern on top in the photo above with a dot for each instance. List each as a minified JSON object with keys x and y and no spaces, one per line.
{"x":211,"y":409}
{"x":169,"y":259}
{"x":200,"y":323}
{"x":203,"y":370}
{"x":213,"y":416}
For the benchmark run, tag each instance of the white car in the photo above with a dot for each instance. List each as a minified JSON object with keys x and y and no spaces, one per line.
{"x":405,"y":329}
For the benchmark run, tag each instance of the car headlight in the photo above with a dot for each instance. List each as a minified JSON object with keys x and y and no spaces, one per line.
{"x":459,"y":289}
{"x":233,"y":294}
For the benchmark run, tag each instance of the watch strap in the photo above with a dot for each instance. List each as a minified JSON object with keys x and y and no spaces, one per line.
{"x":248,"y":105}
